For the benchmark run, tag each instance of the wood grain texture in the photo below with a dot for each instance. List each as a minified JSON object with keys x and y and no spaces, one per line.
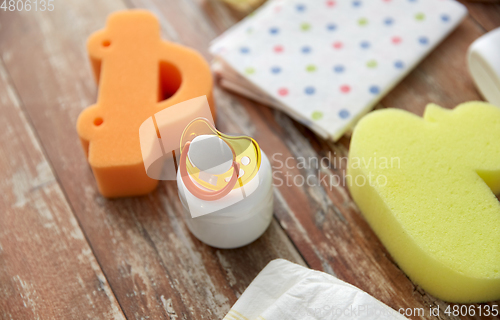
{"x":486,"y":14}
{"x":47,"y":269}
{"x":323,"y":222}
{"x":156,"y":268}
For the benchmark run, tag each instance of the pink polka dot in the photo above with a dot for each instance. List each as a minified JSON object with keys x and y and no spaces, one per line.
{"x":396,"y":40}
{"x":345,"y":88}
{"x":387,"y":0}
{"x":283,"y":92}
{"x":338,"y":45}
{"x":278,"y":49}
{"x":277,"y":9}
{"x":330,"y":3}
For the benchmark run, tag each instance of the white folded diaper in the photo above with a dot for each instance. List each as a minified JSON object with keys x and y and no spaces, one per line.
{"x":287,"y":291}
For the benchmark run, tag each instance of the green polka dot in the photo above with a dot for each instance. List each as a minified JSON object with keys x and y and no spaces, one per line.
{"x":317,"y":115}
{"x":311,"y":68}
{"x":363,"y":22}
{"x":371,"y":64}
{"x":305,"y":26}
{"x":250,"y":30}
{"x":249,"y":70}
{"x":420,"y":16}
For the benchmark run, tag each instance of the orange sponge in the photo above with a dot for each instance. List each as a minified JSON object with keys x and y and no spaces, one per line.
{"x":138,"y":75}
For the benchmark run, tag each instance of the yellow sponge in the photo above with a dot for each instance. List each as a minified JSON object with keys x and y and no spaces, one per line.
{"x":427,"y":187}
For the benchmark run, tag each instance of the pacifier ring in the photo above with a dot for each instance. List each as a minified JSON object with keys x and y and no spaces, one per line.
{"x":200,"y":193}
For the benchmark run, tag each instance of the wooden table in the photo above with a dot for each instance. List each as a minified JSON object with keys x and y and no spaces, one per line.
{"x":68,"y":253}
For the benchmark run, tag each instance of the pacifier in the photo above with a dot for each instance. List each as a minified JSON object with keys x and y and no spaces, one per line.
{"x":212,"y":164}
{"x":225,"y":185}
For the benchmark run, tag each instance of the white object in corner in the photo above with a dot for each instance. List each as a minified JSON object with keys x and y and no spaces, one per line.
{"x":287,"y":291}
{"x":484,"y":65}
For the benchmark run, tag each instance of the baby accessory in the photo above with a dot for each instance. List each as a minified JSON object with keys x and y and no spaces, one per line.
{"x":327,"y":62}
{"x":427,"y":187}
{"x":484,"y":65}
{"x":287,"y":291}
{"x":225,"y":186}
{"x":138,"y":75}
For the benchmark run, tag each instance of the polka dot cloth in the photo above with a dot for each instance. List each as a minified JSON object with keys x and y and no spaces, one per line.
{"x":327,"y":61}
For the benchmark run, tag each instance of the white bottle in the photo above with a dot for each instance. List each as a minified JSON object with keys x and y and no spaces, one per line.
{"x":225,"y":186}
{"x":238,"y":224}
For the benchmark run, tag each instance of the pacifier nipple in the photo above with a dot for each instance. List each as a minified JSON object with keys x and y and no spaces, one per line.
{"x":210,"y":154}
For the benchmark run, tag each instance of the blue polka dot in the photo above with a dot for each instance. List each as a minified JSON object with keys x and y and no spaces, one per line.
{"x":388,"y":21}
{"x":374,"y":89}
{"x":339,"y":68}
{"x":300,"y":7}
{"x":306,"y":49}
{"x":309,"y":90}
{"x":356,"y":3}
{"x":274,"y":30}
{"x":399,"y":64}
{"x":244,"y":50}
{"x":412,"y":0}
{"x":423,"y":40}
{"x":275,"y":70}
{"x":331,"y":26}
{"x":344,"y":114}
{"x":445,"y":17}
{"x":365,"y":44}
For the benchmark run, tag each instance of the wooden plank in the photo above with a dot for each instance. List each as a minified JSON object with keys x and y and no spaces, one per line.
{"x":156,"y":268}
{"x":323,"y":222}
{"x":312,"y":217}
{"x":47,"y":269}
{"x":486,"y":14}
